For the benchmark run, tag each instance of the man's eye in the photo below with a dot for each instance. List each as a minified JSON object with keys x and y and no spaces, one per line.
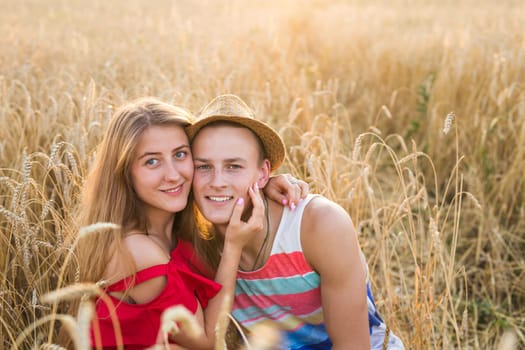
{"x":234,"y":166}
{"x":202,"y":167}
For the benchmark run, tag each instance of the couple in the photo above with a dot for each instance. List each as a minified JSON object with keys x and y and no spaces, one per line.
{"x":298,"y":266}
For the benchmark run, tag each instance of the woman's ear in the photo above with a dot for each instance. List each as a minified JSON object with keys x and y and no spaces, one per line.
{"x":264,"y":173}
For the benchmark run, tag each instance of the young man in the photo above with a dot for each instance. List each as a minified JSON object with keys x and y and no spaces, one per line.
{"x":305,"y":273}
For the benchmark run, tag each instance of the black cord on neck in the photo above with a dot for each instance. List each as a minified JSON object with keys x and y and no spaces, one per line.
{"x":263,"y":245}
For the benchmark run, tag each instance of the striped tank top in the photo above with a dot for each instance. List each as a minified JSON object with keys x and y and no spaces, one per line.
{"x":287,"y":291}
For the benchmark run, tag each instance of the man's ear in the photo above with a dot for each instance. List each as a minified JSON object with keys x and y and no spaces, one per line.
{"x":264,"y":173}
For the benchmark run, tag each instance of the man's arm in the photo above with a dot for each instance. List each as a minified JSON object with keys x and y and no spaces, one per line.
{"x":330,"y":245}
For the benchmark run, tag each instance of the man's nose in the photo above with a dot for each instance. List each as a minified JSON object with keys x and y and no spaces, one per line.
{"x":217,"y":178}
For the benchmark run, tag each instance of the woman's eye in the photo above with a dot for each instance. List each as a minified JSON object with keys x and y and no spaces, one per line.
{"x":181,"y":154}
{"x":152,"y":162}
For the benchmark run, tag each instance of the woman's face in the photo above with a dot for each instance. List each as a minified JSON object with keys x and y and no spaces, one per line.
{"x":162,"y":170}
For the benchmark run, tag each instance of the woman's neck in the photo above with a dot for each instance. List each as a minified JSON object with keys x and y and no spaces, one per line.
{"x":160,"y":225}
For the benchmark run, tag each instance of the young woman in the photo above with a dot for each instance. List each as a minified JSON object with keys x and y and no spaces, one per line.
{"x":141,"y":180}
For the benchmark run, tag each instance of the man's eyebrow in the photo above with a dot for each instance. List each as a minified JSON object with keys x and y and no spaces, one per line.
{"x":227,"y":160}
{"x":235,"y":160}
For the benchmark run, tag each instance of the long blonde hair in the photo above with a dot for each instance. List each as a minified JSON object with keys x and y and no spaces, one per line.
{"x":108,"y":194}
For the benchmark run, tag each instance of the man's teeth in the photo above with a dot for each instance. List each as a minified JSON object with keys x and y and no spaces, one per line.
{"x":220,"y":199}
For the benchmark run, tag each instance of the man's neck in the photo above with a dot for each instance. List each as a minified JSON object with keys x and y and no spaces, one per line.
{"x":257,"y":245}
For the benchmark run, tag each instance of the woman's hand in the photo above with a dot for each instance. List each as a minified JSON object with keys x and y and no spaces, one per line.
{"x":286,"y":189}
{"x":239,"y":232}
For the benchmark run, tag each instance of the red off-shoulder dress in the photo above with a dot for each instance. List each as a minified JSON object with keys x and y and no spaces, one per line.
{"x":139,"y":323}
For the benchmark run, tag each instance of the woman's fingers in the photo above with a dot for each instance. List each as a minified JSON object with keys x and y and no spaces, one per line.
{"x":286,"y":189}
{"x":277,"y":187}
{"x":297,"y":191}
{"x":258,"y":204}
{"x":240,"y":232}
{"x":304,"y":189}
{"x":238,"y":208}
{"x":234,"y":232}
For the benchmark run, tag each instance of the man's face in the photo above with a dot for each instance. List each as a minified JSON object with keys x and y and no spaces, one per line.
{"x":226,"y":163}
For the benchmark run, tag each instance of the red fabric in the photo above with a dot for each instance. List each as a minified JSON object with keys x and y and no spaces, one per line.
{"x":195,"y":263}
{"x":139,"y":323}
{"x":138,"y":278}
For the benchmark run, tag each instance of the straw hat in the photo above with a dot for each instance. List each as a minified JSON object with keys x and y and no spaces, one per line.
{"x":232,"y":109}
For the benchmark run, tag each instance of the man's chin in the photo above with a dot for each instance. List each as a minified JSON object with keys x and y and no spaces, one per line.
{"x":217,"y":219}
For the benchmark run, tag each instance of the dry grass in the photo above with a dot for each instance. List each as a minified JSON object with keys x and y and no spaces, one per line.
{"x":360,"y":90}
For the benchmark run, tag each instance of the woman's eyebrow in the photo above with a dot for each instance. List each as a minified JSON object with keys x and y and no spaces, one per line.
{"x":145,"y":154}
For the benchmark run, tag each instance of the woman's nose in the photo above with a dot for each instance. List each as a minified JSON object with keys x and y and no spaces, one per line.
{"x":171,"y":172}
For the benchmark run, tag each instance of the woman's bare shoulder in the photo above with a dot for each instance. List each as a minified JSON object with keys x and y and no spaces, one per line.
{"x":141,"y":252}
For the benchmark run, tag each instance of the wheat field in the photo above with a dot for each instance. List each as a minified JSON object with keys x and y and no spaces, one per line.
{"x":408,"y":113}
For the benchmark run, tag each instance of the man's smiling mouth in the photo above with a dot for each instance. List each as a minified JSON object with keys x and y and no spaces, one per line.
{"x":220,"y":199}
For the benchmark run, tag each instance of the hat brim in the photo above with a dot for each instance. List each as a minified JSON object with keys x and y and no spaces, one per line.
{"x":273,"y":144}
